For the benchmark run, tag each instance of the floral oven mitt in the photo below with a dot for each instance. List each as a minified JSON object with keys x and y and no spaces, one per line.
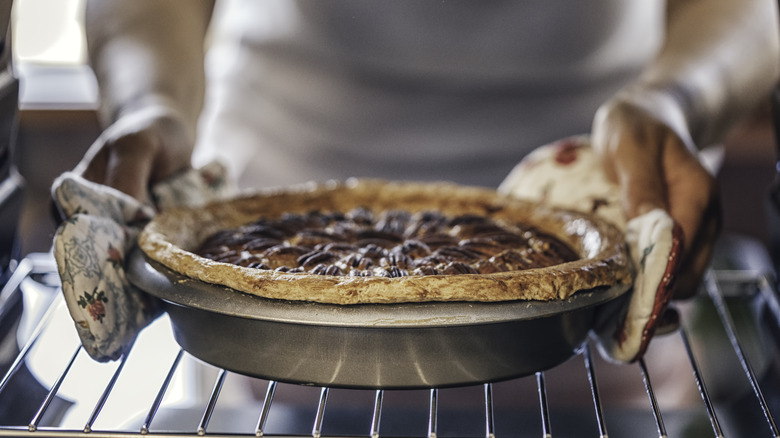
{"x":100,"y":226}
{"x":567,"y":174}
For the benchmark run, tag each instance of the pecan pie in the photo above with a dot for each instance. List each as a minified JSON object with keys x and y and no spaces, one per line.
{"x":391,"y":243}
{"x":366,"y":241}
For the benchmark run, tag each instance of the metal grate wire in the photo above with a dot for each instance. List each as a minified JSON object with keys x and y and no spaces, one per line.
{"x":547,"y":424}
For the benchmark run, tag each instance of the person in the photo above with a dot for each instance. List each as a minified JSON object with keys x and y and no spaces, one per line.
{"x":287,"y":91}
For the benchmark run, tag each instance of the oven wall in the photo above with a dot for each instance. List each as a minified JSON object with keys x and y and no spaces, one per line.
{"x":51,"y":141}
{"x":749,"y":169}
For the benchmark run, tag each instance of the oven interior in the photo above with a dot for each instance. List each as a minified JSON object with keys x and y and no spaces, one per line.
{"x":717,"y":375}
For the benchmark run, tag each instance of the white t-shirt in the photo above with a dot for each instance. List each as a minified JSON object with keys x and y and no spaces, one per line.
{"x":411,"y":89}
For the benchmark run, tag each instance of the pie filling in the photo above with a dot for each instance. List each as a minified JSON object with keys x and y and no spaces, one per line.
{"x":392,"y":243}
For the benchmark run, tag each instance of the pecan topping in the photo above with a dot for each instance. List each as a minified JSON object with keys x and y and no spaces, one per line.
{"x":465,"y":231}
{"x":395,"y":271}
{"x":261,"y":244}
{"x":360,"y":216}
{"x":283,"y":255}
{"x":482,"y":246}
{"x":455,"y":268}
{"x":456,"y":253}
{"x":373,"y":251}
{"x":357,"y":261}
{"x":378,"y":235}
{"x":312,"y":237}
{"x":438,"y":240}
{"x":397,"y":260}
{"x":425,"y":270}
{"x":393,"y":221}
{"x":314,"y":258}
{"x":511,"y":260}
{"x":413,"y":248}
{"x":391,"y":244}
{"x":258,"y":265}
{"x":486,"y":267}
{"x":256,"y":231}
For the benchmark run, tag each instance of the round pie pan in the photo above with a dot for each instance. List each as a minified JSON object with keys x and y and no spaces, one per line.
{"x":407,"y":345}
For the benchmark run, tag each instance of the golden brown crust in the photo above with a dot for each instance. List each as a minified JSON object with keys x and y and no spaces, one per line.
{"x":172,"y":236}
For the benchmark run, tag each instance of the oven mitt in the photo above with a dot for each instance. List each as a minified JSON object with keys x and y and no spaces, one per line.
{"x":100,"y":226}
{"x":568,"y":174}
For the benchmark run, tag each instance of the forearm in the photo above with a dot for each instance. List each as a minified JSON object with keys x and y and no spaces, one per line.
{"x":719,"y":59}
{"x":146,"y":52}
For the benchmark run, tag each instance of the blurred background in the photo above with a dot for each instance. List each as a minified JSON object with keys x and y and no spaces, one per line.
{"x":58,"y":96}
{"x":58,"y":122}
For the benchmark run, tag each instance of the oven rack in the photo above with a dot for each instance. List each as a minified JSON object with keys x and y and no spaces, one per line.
{"x":720,"y":286}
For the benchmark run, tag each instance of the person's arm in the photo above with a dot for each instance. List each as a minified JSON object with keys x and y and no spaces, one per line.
{"x":720,"y":58}
{"x":147,"y":56}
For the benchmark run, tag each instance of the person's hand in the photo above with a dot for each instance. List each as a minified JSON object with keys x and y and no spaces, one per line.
{"x":138,"y":150}
{"x":101,"y":208}
{"x":656,"y":168}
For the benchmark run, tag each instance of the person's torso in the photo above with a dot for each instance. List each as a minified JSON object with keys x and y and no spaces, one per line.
{"x":414,"y":89}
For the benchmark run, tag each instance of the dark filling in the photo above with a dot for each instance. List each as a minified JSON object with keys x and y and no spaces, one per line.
{"x":393,"y":243}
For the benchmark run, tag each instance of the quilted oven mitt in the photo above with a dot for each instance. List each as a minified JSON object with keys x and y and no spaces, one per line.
{"x":568,"y":174}
{"x":100,"y":226}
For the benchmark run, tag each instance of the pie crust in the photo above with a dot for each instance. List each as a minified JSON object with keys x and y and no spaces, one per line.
{"x":173,"y":236}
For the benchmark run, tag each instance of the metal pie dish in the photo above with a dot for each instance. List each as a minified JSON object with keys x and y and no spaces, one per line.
{"x":400,"y":346}
{"x":408,"y":332}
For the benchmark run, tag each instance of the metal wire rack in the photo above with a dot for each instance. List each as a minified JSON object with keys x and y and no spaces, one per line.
{"x":167,"y":392}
